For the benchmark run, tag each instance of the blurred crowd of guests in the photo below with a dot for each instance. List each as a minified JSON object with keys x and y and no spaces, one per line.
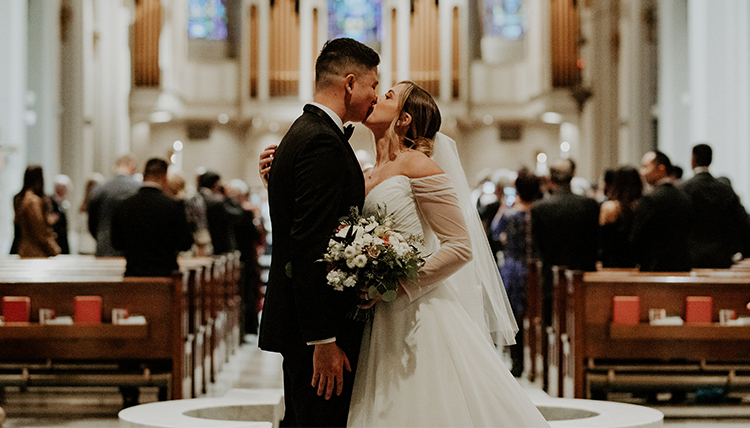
{"x":646,"y":218}
{"x":149,"y":218}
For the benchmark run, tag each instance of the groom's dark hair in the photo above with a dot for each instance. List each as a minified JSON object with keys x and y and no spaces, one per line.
{"x":340,"y":57}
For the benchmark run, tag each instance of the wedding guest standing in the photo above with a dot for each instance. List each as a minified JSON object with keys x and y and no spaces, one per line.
{"x":32,"y":210}
{"x":150,"y":228}
{"x":721,"y":228}
{"x":86,"y":241}
{"x":662,"y":220}
{"x":564,"y":229}
{"x":60,"y":205}
{"x":106,"y":198}
{"x":616,"y":218}
{"x":513,"y":231}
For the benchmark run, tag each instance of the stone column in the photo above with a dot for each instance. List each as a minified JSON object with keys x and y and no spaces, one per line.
{"x":674,"y":86}
{"x":13,"y":51}
{"x":43,"y":99}
{"x":637,"y":78}
{"x":719,"y":82}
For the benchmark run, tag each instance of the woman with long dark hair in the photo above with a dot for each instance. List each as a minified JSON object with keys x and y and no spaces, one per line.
{"x":616,"y":218}
{"x":32,"y":208}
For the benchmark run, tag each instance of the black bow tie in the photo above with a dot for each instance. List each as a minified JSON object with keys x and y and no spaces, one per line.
{"x":348,"y":131}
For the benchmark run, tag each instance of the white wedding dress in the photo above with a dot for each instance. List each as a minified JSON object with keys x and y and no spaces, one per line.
{"x":424,"y":361}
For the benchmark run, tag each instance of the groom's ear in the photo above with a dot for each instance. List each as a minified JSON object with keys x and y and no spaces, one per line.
{"x":349,"y":80}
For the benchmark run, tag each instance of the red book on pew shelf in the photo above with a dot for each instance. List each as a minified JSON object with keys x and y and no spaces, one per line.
{"x":626,"y":309}
{"x":16,"y":308}
{"x":88,"y":310}
{"x":698,"y":308}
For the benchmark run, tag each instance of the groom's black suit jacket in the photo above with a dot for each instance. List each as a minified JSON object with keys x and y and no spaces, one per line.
{"x":314,"y":180}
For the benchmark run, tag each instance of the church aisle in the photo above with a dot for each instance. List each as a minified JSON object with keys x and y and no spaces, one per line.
{"x":248,"y":368}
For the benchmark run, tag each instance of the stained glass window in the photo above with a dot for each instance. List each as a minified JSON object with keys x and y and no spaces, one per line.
{"x":504,"y":18}
{"x":207,"y":19}
{"x":356,"y":19}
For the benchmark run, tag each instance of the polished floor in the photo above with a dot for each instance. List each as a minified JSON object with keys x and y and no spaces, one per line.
{"x":251,"y":368}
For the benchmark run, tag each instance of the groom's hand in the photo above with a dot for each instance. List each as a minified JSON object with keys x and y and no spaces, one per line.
{"x":264,"y":164}
{"x":329,"y":362}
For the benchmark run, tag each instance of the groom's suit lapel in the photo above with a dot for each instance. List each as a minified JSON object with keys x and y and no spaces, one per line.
{"x":309,"y":108}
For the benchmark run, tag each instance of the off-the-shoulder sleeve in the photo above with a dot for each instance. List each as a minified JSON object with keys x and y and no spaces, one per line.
{"x":438,"y":203}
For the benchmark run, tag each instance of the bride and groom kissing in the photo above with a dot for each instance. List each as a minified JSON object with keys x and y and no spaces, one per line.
{"x":427,"y":358}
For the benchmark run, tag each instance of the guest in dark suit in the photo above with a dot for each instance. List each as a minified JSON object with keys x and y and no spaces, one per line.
{"x":218,"y":220}
{"x":60,"y":204}
{"x":249,"y":239}
{"x":662,"y":220}
{"x":150,"y":228}
{"x":106,"y":198}
{"x":564,"y":229}
{"x":721,"y":228}
{"x":316,"y":179}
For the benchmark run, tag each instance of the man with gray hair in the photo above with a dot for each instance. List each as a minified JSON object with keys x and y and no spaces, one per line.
{"x":105,"y":200}
{"x":564,"y":229}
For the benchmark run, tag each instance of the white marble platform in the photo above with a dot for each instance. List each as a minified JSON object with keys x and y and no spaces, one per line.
{"x":568,"y":412}
{"x":239,"y":408}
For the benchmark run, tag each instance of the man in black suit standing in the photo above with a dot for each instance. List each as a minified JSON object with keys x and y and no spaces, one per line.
{"x":564,"y":230}
{"x":316,"y":179}
{"x":662,"y":220}
{"x":150,"y":228}
{"x":721,"y":228}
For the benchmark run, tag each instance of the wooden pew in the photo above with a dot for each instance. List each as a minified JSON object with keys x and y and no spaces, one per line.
{"x":206,"y":291}
{"x":161,"y":345}
{"x":533,"y":327}
{"x":606,"y":356}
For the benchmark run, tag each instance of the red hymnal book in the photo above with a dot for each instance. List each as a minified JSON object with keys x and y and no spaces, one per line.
{"x":626,"y":309}
{"x":88,"y":310}
{"x":16,"y":308}
{"x":698,"y":308}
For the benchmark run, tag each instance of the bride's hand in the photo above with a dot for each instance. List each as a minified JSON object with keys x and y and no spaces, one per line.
{"x":368,"y":302}
{"x":264,"y":164}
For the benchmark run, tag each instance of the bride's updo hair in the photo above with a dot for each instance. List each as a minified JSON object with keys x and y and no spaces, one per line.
{"x":425,"y":120}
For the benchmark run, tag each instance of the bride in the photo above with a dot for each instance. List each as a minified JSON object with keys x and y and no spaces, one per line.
{"x":427,"y":358}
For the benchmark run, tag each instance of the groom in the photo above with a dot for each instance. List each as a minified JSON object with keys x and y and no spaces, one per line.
{"x":314,"y":181}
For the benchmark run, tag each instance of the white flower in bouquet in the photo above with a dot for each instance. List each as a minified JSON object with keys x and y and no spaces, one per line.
{"x":350,"y":252}
{"x":351,"y":281}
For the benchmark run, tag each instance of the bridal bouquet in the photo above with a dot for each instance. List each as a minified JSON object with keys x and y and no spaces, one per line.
{"x":366,"y":252}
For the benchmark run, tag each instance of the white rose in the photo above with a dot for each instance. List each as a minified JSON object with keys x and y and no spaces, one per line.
{"x":350,"y":263}
{"x":350,"y":281}
{"x":350,"y":252}
{"x":360,"y":261}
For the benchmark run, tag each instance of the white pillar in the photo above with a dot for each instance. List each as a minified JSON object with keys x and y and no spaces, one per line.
{"x":43,"y":100}
{"x":673,"y":105}
{"x":13,"y":51}
{"x":446,"y":50}
{"x":636,"y":81}
{"x":76,"y":136}
{"x":719,"y":67}
{"x":307,"y":50}
{"x":386,"y":47}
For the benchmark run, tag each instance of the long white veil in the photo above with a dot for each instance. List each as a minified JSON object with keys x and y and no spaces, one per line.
{"x":478,"y":284}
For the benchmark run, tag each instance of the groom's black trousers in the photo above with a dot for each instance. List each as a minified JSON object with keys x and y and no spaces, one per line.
{"x":304,"y":408}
